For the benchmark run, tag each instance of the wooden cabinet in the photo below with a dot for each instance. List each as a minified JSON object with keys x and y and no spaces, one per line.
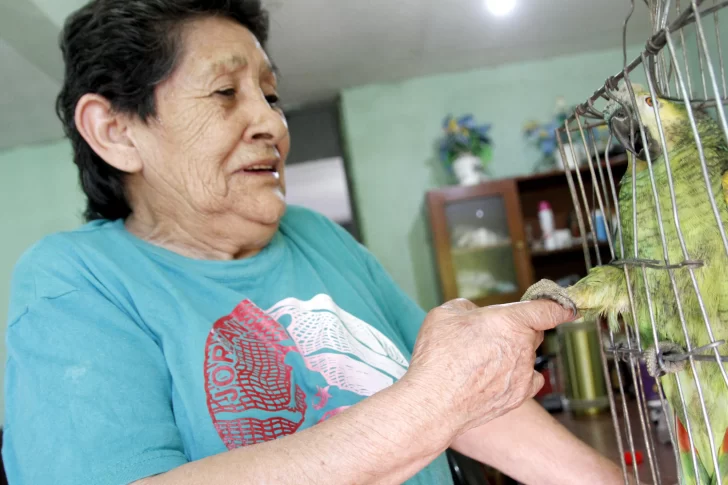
{"x":493,"y":210}
{"x":484,"y":236}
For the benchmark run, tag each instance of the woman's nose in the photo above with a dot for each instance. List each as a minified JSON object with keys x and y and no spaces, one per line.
{"x":266,"y":124}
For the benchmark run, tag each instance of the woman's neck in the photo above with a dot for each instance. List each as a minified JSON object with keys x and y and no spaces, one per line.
{"x":212,"y":238}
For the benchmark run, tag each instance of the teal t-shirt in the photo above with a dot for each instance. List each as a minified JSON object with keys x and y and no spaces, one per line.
{"x":126,"y":360}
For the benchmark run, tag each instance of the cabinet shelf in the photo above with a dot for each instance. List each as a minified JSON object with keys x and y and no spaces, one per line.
{"x":574,"y":248}
{"x":507,"y":206}
{"x":617,"y":163}
{"x":480,"y":249}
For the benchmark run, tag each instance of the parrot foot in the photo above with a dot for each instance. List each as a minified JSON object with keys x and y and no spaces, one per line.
{"x":548,"y":290}
{"x":657,"y":366}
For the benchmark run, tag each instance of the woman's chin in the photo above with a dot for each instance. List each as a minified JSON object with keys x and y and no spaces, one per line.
{"x":267,"y":210}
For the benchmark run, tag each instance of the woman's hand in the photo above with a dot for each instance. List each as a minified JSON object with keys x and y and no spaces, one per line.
{"x":474,"y":364}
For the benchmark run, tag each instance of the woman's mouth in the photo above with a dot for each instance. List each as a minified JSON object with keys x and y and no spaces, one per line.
{"x":261,"y":169}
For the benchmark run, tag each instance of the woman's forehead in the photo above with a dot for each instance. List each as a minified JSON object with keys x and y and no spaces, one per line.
{"x":214,"y":47}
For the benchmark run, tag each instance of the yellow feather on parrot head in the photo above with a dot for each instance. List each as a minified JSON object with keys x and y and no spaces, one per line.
{"x":621,"y":116}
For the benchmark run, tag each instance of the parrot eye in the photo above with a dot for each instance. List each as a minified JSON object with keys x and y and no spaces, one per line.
{"x":649,"y":102}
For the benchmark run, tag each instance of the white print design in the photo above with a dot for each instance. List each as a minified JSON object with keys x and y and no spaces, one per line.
{"x":349,"y":353}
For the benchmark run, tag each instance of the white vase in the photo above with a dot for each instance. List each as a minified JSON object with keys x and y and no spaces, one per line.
{"x":570,"y":161}
{"x":468,"y":169}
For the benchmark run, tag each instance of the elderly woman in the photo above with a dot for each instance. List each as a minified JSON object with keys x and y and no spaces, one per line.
{"x":198,"y":331}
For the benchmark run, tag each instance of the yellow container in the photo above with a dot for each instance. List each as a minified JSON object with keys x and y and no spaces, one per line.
{"x":585,"y":386}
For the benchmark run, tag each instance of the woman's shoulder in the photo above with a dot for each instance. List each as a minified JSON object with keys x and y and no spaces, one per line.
{"x":57,"y":263}
{"x":316,"y":231}
{"x":297,"y":215}
{"x":315,"y":228}
{"x":74,"y":243}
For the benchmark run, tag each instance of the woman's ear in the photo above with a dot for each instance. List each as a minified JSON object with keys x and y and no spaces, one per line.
{"x":107,"y":133}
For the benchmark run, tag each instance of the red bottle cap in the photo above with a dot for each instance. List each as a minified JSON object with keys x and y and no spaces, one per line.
{"x":544,"y":206}
{"x":628,"y":457}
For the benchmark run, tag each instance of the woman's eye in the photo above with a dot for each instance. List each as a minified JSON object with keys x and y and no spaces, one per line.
{"x":272,"y":99}
{"x":228,"y":93}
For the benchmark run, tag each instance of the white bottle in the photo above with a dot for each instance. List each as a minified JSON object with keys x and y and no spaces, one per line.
{"x":546,"y":221}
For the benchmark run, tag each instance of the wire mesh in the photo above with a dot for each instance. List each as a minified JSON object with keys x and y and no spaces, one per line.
{"x":667,"y":237}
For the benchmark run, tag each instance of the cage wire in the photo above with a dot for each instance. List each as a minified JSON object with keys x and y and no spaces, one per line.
{"x":681,"y":61}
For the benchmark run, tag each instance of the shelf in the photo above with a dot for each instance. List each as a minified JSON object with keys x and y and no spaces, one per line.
{"x":539,"y":179}
{"x":480,"y":249}
{"x":538,"y":253}
{"x":519,"y":198}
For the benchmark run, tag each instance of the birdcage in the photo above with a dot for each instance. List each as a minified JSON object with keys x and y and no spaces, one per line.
{"x":681,"y":62}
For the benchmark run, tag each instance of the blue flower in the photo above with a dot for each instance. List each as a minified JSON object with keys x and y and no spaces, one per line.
{"x":467,"y":121}
{"x":482,"y":130}
{"x":461,"y":135}
{"x":548,"y":146}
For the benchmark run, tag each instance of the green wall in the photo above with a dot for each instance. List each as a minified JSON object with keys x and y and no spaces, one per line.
{"x":391,"y":130}
{"x":39,"y":194}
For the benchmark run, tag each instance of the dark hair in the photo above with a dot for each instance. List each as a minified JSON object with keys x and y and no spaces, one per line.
{"x":121,"y":50}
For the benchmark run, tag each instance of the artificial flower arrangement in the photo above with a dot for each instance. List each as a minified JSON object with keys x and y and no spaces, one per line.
{"x":543,"y":136}
{"x":466,"y":149}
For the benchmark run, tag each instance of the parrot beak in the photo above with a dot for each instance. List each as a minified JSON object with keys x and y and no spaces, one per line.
{"x":626,"y":129}
{"x":621,"y":125}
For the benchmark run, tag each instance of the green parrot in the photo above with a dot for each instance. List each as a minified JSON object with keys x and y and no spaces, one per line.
{"x":603,"y":292}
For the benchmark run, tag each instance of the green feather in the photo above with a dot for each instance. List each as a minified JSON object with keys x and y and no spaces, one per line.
{"x":604,"y":290}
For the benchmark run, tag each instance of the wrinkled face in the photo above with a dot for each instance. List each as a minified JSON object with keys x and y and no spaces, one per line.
{"x":219,"y":142}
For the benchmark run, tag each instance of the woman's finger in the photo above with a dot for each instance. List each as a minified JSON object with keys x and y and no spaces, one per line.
{"x":537,"y":383}
{"x":538,"y":339}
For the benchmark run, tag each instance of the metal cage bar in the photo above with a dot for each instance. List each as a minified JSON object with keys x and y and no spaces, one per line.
{"x":699,"y":147}
{"x":720,"y":49}
{"x":670,"y":272}
{"x":665,"y":250}
{"x":663,"y":69}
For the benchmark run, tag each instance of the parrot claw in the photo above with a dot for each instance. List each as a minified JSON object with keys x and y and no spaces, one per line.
{"x":548,"y":290}
{"x":657,"y":366}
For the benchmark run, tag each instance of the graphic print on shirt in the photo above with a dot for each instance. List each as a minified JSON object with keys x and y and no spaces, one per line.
{"x":245,"y":368}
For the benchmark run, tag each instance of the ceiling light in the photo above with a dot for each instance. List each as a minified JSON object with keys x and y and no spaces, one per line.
{"x":500,"y":7}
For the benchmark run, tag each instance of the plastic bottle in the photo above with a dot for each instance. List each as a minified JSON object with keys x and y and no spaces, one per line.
{"x":600,"y":226}
{"x":546,"y":221}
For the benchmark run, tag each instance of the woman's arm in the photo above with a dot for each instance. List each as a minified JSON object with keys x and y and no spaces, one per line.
{"x":84,"y":378}
{"x":384,"y":439}
{"x":101,"y":393}
{"x":530,"y":446}
{"x":470,"y":365}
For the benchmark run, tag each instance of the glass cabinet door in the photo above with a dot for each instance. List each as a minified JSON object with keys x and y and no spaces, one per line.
{"x":481,"y":247}
{"x":478,"y":235}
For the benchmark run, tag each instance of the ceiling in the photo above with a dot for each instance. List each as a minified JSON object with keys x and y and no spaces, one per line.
{"x":324,"y":46}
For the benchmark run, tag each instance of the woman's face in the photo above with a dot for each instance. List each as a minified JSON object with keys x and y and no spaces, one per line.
{"x":219,"y":142}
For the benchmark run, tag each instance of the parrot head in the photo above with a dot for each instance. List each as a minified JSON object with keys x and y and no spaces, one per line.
{"x":621,"y":117}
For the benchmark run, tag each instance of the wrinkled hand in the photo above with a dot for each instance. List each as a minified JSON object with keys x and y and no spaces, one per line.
{"x":476,"y":364}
